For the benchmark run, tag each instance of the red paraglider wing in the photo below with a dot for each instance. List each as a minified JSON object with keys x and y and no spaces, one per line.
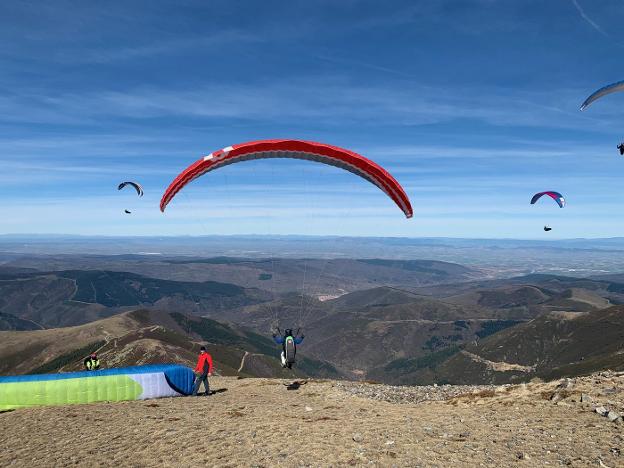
{"x":295,"y":149}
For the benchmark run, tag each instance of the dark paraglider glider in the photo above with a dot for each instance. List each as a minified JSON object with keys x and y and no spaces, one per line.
{"x":136,"y":185}
{"x":554,"y":195}
{"x":621,"y":148}
{"x":295,"y":149}
{"x":547,"y":228}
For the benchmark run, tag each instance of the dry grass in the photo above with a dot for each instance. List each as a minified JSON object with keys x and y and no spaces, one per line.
{"x":475,"y":395}
{"x":258,"y":422}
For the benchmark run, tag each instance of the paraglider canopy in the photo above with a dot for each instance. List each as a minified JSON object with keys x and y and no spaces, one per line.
{"x":554,"y":195}
{"x":621,"y":148}
{"x":136,"y":185}
{"x":612,"y":88}
{"x":547,"y":228}
{"x":296,"y":149}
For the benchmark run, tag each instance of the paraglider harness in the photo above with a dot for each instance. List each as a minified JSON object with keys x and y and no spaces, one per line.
{"x":289,"y":347}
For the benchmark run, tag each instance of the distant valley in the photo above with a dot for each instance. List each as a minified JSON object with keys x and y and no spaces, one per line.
{"x":394,"y":321}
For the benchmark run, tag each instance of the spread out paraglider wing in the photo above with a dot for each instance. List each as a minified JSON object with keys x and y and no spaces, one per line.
{"x":612,"y":88}
{"x":554,"y":195}
{"x":124,"y":383}
{"x":547,"y":228}
{"x":295,"y":149}
{"x":137,"y":187}
{"x":127,"y":211}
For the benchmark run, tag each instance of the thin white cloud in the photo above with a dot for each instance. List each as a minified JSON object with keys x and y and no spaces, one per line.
{"x":158,"y":48}
{"x":588,"y":20}
{"x":329,"y":101}
{"x":357,"y":63}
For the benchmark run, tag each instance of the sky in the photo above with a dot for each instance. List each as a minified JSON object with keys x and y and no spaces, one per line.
{"x":472,"y":105}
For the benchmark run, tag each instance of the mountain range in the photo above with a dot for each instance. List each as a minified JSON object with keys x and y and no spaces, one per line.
{"x":396,"y":321}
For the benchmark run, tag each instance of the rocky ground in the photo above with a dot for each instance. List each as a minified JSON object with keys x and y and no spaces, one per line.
{"x":264,"y":422}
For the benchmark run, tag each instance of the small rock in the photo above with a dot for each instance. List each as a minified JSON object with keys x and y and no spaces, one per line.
{"x":389,"y":442}
{"x":555,"y":397}
{"x":613,"y":416}
{"x":523,"y":456}
{"x":357,"y":437}
{"x":307,"y":408}
{"x":585,"y":398}
{"x":601,"y":410}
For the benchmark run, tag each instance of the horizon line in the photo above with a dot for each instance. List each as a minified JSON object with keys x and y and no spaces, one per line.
{"x":293,"y":235}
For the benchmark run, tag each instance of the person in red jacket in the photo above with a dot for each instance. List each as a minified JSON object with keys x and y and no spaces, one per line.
{"x":202,"y":370}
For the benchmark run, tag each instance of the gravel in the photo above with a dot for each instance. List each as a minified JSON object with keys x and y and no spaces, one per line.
{"x":400,"y":394}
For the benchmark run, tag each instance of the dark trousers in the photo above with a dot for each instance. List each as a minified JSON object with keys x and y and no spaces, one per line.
{"x":198,"y":380}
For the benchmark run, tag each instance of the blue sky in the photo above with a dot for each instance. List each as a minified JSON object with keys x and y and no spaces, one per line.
{"x":472,"y":105}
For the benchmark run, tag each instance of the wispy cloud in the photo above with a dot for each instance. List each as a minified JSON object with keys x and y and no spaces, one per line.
{"x":177,"y":46}
{"x":361,"y":64}
{"x":587,"y":19}
{"x":327,"y":100}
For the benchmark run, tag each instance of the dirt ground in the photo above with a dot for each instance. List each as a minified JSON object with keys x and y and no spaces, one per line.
{"x":261,"y":422}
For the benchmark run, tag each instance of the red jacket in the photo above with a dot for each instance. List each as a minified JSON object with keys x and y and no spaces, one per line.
{"x":204,"y":363}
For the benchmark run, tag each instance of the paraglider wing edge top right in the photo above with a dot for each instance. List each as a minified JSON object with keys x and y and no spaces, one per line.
{"x":611,"y":88}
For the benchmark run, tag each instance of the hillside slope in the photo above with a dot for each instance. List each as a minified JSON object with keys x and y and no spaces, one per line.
{"x":275,"y":273}
{"x":148,"y":337}
{"x":550,"y":346}
{"x":366,"y":329}
{"x":11,"y":322}
{"x":73,"y":297}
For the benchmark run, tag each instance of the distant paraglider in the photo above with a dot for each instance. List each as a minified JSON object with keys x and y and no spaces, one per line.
{"x":612,"y":88}
{"x":294,"y":149}
{"x":554,"y":195}
{"x":136,"y":186}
